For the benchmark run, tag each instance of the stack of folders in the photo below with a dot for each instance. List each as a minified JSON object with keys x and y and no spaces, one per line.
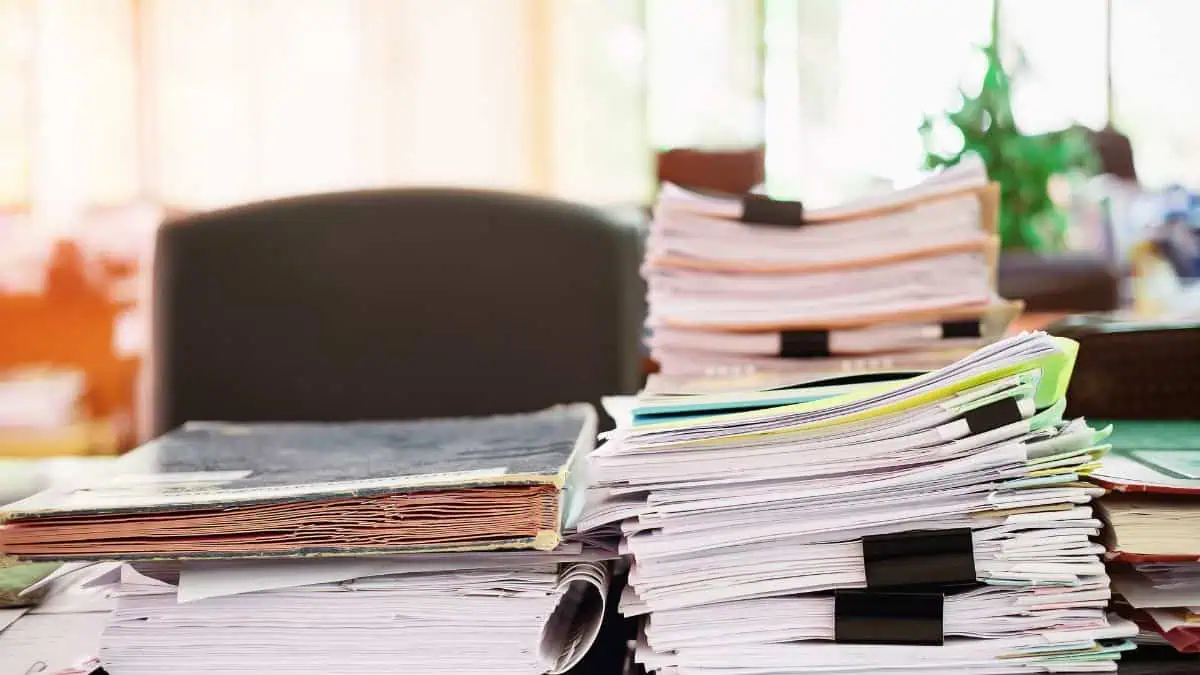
{"x":274,"y":547}
{"x":904,"y":281}
{"x":932,"y":524}
{"x":1152,"y":516}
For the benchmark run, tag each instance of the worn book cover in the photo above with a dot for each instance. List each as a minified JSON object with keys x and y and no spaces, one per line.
{"x":295,"y":488}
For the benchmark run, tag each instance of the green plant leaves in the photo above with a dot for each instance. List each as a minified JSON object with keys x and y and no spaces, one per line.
{"x":1022,"y":164}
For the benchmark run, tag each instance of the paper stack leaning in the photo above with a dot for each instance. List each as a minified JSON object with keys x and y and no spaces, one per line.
{"x":929,"y":524}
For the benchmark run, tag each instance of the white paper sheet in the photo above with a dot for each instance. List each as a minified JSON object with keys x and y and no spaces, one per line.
{"x":491,"y":613}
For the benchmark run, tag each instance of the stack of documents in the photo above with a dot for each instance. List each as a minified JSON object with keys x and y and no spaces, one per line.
{"x":217,"y":489}
{"x":901,"y":281}
{"x":518,"y":613}
{"x":1153,"y":526}
{"x":253,"y":548}
{"x":943,"y":513}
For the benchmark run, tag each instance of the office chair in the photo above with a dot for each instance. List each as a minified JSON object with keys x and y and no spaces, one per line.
{"x":393,"y":304}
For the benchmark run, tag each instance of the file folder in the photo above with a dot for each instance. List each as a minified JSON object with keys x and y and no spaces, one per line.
{"x":300,"y":489}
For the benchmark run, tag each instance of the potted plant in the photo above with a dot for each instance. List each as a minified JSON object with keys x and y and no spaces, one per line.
{"x":1022,"y":164}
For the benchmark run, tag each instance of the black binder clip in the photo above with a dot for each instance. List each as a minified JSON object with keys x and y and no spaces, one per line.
{"x":920,"y":558}
{"x":762,"y":210}
{"x":962,"y":329}
{"x":804,"y":344}
{"x":993,"y":415}
{"x":875,"y":617}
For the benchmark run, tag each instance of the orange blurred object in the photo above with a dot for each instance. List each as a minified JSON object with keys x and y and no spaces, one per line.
{"x":71,"y":325}
{"x":733,"y":171}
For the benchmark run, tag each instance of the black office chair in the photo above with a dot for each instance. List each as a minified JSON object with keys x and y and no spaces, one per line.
{"x":397,"y":304}
{"x":393,"y":304}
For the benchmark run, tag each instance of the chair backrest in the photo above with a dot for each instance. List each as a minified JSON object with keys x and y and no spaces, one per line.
{"x":393,"y":304}
{"x":735,"y":171}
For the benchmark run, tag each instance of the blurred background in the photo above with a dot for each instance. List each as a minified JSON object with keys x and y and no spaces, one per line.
{"x":119,"y":115}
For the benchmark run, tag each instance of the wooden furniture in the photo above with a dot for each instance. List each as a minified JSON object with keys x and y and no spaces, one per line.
{"x":70,"y":325}
{"x":732,"y":171}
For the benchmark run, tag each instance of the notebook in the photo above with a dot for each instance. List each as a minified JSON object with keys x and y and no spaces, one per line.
{"x":287,"y":489}
{"x":1153,"y":511}
{"x":1151,"y":528}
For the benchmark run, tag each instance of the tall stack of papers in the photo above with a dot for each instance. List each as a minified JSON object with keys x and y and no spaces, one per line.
{"x":902,"y":281}
{"x":253,"y":548}
{"x":1153,"y":526}
{"x":935,"y":523}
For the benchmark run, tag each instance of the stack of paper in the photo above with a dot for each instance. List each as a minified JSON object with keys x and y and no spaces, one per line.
{"x":452,"y":613}
{"x":1163,"y":598}
{"x":1153,"y":526}
{"x":226,"y":532}
{"x":902,"y":281}
{"x":935,"y":510}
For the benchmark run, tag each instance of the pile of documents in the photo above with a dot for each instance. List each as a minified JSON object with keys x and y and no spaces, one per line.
{"x":1152,"y":518}
{"x":904,"y":281}
{"x":444,"y":613}
{"x":251,"y":548}
{"x":937,"y":523}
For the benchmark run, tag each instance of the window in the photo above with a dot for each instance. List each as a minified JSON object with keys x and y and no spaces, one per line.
{"x":201,"y":104}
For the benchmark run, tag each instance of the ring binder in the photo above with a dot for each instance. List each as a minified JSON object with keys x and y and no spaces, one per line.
{"x":993,"y":415}
{"x":961,"y":329}
{"x":919,"y":558}
{"x":762,"y":210}
{"x":874,"y":617}
{"x":804,"y":344}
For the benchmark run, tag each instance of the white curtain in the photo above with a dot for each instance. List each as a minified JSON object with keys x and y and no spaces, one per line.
{"x":848,"y":81}
{"x":703,"y":65}
{"x":202,"y":103}
{"x":198,"y":104}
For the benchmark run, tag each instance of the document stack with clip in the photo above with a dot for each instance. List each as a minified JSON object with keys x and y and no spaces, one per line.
{"x":256,"y":548}
{"x":931,"y":524}
{"x":904,"y":281}
{"x":1152,"y":518}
